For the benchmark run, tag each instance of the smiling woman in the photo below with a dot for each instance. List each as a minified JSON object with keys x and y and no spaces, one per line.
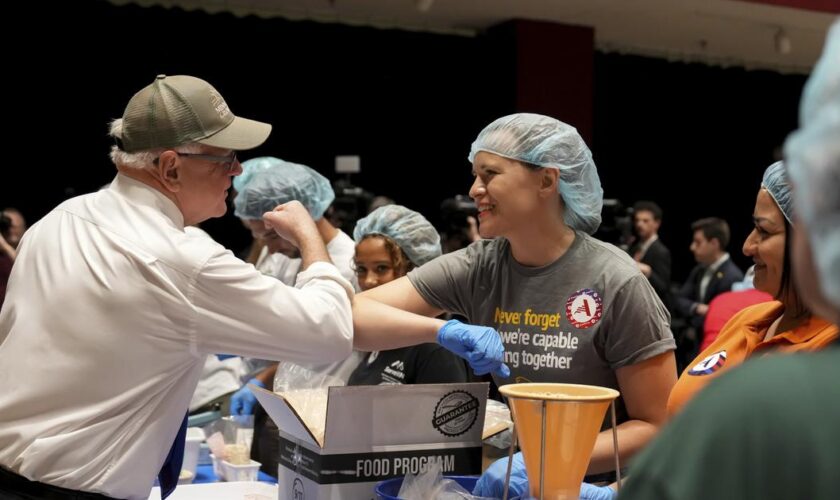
{"x":783,"y":325}
{"x":769,"y":243}
{"x":560,"y":299}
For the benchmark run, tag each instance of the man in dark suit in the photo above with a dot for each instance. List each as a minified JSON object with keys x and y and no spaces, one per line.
{"x":714,"y":274}
{"x":650,"y":254}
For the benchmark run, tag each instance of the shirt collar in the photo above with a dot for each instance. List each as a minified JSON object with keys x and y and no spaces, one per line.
{"x":648,"y":242}
{"x":143,"y":194}
{"x":799,"y":335}
{"x":716,"y":264}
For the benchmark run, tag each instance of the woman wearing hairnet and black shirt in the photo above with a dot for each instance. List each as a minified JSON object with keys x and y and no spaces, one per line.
{"x":570,"y":308}
{"x":391,"y":241}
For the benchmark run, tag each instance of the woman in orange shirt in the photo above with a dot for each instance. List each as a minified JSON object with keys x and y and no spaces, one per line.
{"x":785,"y":324}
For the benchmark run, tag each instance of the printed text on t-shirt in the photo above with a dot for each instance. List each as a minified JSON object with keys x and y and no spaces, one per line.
{"x":534,"y":341}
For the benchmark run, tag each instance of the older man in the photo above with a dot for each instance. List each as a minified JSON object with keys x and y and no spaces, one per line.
{"x":112,"y":307}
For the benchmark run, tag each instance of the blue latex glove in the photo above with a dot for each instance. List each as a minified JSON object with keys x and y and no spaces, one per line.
{"x":592,"y":492}
{"x":481,"y":346}
{"x":243,"y":401}
{"x":492,"y":482}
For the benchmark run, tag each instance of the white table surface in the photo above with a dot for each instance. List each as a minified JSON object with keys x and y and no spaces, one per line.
{"x":221,"y":491}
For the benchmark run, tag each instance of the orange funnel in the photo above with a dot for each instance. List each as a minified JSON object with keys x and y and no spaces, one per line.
{"x":573,"y":415}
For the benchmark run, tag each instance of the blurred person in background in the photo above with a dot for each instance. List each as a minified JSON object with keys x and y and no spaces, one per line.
{"x":267,"y":182}
{"x":650,"y":254}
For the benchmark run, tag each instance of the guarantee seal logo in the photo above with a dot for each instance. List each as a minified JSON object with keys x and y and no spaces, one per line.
{"x":455,"y":413}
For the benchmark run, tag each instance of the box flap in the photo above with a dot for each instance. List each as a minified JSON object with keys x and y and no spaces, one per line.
{"x":284,"y":415}
{"x":392,"y":415}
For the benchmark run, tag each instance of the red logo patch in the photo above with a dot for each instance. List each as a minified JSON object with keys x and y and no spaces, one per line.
{"x":583,"y":308}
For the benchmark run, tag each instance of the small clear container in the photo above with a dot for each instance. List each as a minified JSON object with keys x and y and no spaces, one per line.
{"x":240,"y":472}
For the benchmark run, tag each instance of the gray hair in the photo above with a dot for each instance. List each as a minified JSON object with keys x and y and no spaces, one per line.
{"x":140,"y":159}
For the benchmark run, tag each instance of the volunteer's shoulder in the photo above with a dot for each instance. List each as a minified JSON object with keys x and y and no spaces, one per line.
{"x":602,"y":257}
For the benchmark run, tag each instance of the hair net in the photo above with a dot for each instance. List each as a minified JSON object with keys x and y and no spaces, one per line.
{"x":409,"y":230}
{"x":549,"y":143}
{"x":251,"y":167}
{"x":272,"y":181}
{"x":812,"y":155}
{"x":776,"y":183}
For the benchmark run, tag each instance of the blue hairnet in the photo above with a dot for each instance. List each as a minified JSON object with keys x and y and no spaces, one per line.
{"x":776,"y":183}
{"x":546,"y":142}
{"x":251,"y":167}
{"x":812,"y":154}
{"x":272,"y":181}
{"x":410,"y":231}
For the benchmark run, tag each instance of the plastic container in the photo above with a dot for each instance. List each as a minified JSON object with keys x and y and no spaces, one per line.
{"x":218,"y":471}
{"x":194,"y":438}
{"x":388,"y":489}
{"x":240,"y":472}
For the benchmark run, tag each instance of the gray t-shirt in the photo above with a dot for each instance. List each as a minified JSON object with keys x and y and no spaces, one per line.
{"x":574,"y":321}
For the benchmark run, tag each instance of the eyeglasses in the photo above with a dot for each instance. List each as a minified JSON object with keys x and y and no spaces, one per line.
{"x":227,"y":161}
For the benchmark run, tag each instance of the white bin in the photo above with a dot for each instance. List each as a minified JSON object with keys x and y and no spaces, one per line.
{"x":240,"y":472}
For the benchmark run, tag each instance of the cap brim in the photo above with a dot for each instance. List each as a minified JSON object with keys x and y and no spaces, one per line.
{"x":240,"y":135}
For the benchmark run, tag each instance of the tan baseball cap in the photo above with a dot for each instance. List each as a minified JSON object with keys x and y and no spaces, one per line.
{"x":180,"y":109}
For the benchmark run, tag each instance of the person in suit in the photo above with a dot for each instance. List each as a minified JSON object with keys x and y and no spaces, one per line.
{"x":650,"y":254}
{"x":715,"y":273}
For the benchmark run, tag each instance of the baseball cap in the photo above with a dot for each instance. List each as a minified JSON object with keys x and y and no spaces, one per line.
{"x":180,"y":109}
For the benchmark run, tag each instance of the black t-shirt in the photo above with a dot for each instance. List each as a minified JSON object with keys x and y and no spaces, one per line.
{"x":420,"y":364}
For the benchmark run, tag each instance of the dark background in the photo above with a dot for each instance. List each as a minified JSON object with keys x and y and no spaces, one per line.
{"x":692,"y":137}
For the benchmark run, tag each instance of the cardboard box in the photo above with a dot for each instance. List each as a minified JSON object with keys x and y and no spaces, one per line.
{"x":373,"y":433}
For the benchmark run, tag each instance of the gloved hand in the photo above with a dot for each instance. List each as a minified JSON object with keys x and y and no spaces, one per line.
{"x":592,"y":492}
{"x":492,"y":482}
{"x":242,"y":402}
{"x":481,"y":346}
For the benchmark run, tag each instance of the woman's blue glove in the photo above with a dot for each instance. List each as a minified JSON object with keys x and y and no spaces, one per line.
{"x":481,"y":346}
{"x":592,"y":492}
{"x":243,"y":401}
{"x":492,"y":482}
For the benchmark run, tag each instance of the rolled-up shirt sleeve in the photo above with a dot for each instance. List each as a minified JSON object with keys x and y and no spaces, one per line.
{"x":241,"y":311}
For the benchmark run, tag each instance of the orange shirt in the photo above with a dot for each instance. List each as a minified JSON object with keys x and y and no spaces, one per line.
{"x":742,"y":337}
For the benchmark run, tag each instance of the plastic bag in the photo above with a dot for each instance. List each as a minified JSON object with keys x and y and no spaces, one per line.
{"x":497,"y":424}
{"x":235,"y":429}
{"x":306,"y":391}
{"x":230,"y":438}
{"x":430,"y":484}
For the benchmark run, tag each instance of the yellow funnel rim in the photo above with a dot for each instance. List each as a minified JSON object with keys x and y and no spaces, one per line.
{"x":559,"y":392}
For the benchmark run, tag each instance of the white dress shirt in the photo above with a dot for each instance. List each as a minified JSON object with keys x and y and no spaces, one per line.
{"x":342,"y":251}
{"x":707,"y":275}
{"x":644,"y":247}
{"x":218,"y":377}
{"x":110,"y":313}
